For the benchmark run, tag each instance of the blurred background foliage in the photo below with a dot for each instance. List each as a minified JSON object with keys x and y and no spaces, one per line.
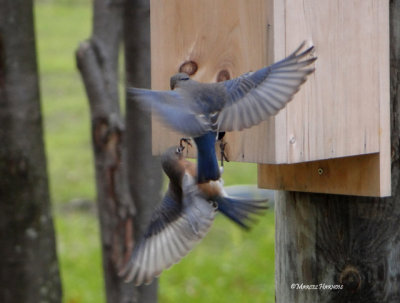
{"x":229,"y":265}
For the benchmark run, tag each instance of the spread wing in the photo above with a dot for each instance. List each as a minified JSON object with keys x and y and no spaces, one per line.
{"x":173,"y":109}
{"x":174,"y":230}
{"x":252,"y":97}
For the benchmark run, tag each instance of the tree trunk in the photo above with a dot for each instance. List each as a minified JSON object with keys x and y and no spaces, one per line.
{"x":326,"y":240}
{"x":98,"y":63}
{"x":145,"y":176}
{"x":28,"y":261}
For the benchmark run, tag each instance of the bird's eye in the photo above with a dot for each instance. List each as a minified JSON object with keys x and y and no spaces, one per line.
{"x":179,"y":150}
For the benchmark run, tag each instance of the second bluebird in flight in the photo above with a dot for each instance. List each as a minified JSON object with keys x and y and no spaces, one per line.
{"x":183,"y":218}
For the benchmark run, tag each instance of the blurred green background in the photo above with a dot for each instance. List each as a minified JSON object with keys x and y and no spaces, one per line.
{"x":229,"y":265}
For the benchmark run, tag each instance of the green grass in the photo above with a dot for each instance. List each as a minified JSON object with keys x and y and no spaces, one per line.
{"x":60,"y":26}
{"x":80,"y":257}
{"x":229,"y":265}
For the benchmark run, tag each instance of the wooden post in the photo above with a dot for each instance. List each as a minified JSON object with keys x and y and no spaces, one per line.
{"x":145,"y":177}
{"x":351,"y":241}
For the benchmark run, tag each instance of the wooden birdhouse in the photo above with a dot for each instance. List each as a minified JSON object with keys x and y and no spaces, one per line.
{"x":334,"y":136}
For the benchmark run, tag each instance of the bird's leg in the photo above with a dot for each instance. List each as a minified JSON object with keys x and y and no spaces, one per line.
{"x":187,"y":142}
{"x":222,"y":145}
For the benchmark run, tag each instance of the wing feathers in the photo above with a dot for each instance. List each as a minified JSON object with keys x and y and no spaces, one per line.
{"x":253,"y":97}
{"x":173,"y":109}
{"x":174,"y":230}
{"x":230,"y":105}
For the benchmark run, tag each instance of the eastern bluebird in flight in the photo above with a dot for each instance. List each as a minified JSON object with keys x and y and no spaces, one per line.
{"x":183,"y":218}
{"x":201,"y":110}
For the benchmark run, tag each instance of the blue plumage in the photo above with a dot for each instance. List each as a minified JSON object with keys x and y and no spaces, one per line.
{"x":207,"y":164}
{"x":240,"y":211}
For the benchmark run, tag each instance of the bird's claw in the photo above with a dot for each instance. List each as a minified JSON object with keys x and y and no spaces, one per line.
{"x":222,"y":146}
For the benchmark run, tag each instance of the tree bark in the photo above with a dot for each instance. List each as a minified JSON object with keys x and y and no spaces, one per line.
{"x":344,"y":240}
{"x":120,"y":223}
{"x":145,"y":177}
{"x":28,"y":261}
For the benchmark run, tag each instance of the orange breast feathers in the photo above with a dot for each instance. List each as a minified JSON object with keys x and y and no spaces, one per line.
{"x":209,"y":189}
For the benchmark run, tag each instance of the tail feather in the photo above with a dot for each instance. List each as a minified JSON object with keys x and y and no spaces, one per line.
{"x":242,"y":212}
